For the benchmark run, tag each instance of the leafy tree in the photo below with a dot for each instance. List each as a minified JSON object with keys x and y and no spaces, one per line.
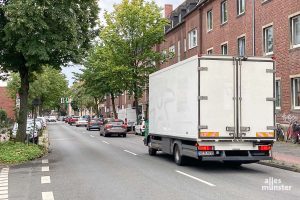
{"x":132,"y":31}
{"x":49,"y":86}
{"x":103,"y":76}
{"x":34,"y":33}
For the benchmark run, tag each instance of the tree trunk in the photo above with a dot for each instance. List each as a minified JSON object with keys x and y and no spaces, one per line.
{"x":97,"y":106}
{"x":114,"y":106}
{"x":136,"y":103}
{"x":23,"y":92}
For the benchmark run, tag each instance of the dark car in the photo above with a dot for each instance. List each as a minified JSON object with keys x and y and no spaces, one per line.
{"x":94,"y":124}
{"x":113,"y":127}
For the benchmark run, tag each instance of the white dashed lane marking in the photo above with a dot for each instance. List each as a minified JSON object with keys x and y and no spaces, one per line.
{"x":45,"y":169}
{"x":92,"y":136}
{"x":45,"y":179}
{"x":45,"y":161}
{"x":195,"y":178}
{"x":4,"y":184}
{"x":47,"y":196}
{"x":130,"y":152}
{"x":105,"y":142}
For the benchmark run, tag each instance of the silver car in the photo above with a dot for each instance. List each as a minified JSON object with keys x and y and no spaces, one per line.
{"x":113,"y":127}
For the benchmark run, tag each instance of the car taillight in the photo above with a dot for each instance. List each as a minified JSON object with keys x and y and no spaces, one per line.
{"x":107,"y":126}
{"x":205,"y":148}
{"x":124,"y":126}
{"x":264,"y":147}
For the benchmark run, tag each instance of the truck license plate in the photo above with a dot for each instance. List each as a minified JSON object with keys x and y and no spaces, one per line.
{"x":206,"y":153}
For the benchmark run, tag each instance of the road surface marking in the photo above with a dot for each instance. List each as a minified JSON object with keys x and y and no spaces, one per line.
{"x":47,"y":196}
{"x":45,"y":161}
{"x":92,"y":136}
{"x":195,"y":178}
{"x":45,"y":169}
{"x":105,"y":142}
{"x":4,"y":184}
{"x":130,"y":152}
{"x":45,"y":179}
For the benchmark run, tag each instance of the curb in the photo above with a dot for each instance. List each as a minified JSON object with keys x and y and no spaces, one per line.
{"x":280,"y":166}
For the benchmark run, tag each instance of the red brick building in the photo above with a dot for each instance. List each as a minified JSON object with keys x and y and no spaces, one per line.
{"x":242,"y":27}
{"x":6,"y":103}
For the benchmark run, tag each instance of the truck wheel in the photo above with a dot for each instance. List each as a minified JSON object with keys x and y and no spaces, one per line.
{"x":124,"y":135}
{"x":178,"y":158}
{"x":151,"y":151}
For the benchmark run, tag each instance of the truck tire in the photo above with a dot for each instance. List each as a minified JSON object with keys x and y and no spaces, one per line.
{"x":151,"y":151}
{"x":178,"y":158}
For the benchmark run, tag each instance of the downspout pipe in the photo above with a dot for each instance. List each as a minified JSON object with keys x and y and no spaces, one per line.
{"x":253,"y":28}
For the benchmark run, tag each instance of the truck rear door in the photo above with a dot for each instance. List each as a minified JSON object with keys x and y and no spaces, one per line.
{"x":256,"y":100}
{"x":216,"y":92}
{"x":236,"y":98}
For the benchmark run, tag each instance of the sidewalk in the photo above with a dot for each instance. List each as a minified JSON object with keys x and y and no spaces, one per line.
{"x":286,"y":156}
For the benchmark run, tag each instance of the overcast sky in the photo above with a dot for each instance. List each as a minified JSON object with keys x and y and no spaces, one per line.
{"x":108,"y":5}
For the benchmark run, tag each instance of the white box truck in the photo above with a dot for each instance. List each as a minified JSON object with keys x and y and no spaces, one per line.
{"x":213,"y":108}
{"x":128,"y":115}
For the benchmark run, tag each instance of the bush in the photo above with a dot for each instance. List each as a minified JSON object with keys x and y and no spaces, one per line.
{"x":3,"y":116}
{"x":16,"y":152}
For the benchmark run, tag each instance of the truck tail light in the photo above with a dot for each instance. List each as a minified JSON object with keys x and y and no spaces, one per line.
{"x":264,"y":147}
{"x":205,"y":148}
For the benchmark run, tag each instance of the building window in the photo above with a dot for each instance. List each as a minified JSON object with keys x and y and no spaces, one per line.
{"x":184,"y":44}
{"x":178,"y":51}
{"x":268,"y":40}
{"x":278,"y":94}
{"x":210,"y":51}
{"x":209,"y":20}
{"x":192,"y":38}
{"x":172,"y":51}
{"x":241,"y":46}
{"x":296,"y":92}
{"x":240,"y":7}
{"x":224,"y":49}
{"x":295,"y":26}
{"x":223,"y":12}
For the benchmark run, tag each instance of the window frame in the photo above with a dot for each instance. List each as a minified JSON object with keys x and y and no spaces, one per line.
{"x":224,"y":13}
{"x":222,"y":45}
{"x":266,"y":27}
{"x":238,"y":39}
{"x":191,"y":37}
{"x":291,"y":19}
{"x":210,"y":50}
{"x":239,"y":11}
{"x":208,"y":28}
{"x":278,"y":94}
{"x":293,"y":93}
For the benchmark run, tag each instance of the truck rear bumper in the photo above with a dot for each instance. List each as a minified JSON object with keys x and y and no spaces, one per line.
{"x":237,"y":156}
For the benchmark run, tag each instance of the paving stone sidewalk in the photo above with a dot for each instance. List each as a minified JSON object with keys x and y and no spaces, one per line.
{"x":286,"y":156}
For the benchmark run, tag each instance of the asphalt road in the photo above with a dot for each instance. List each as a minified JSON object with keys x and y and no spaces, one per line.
{"x":86,"y":166}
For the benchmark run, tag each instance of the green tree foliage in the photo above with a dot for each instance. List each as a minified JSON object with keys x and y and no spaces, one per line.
{"x":102,"y":76}
{"x":34,"y":33}
{"x":49,"y":86}
{"x":132,"y":31}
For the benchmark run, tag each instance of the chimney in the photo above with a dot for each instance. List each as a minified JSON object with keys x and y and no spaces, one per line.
{"x":168,"y":10}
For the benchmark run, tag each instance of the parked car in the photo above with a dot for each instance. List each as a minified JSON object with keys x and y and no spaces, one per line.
{"x":140,"y":128}
{"x":113,"y":127}
{"x":81,"y":122}
{"x":52,"y":119}
{"x":72,"y":120}
{"x":44,"y":121}
{"x":94,"y":124}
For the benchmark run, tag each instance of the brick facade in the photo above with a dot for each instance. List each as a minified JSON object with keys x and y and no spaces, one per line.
{"x":6,"y":103}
